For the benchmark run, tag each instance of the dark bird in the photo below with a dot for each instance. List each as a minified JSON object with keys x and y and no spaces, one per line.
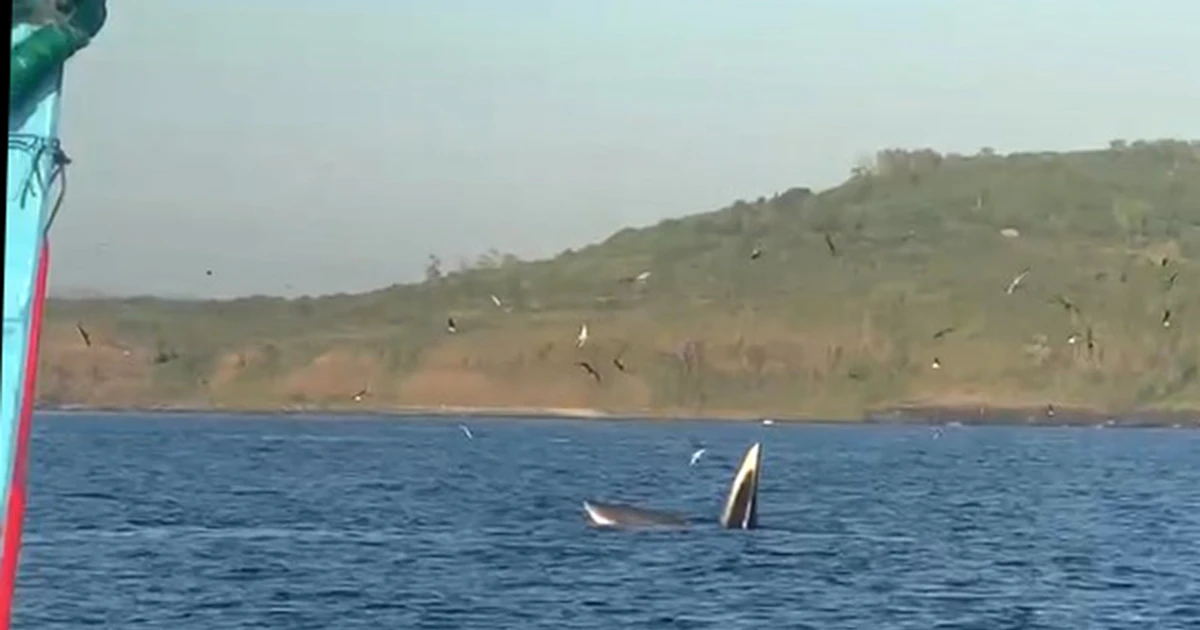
{"x":617,"y":362}
{"x":87,"y":339}
{"x":756,"y":254}
{"x":358,"y":396}
{"x":943,"y":332}
{"x":829,"y":244}
{"x":1166,"y":318}
{"x":1091,"y":341}
{"x":1066,"y":303}
{"x":1164,"y":262}
{"x":589,"y":369}
{"x":451,"y":326}
{"x":1171,"y":280}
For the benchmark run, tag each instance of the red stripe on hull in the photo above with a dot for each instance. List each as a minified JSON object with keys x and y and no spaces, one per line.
{"x":16,"y":498}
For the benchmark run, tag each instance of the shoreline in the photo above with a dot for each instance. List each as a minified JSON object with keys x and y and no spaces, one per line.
{"x":922,"y":415}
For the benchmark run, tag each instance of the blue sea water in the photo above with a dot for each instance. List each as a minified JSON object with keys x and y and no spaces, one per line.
{"x":211,"y":522}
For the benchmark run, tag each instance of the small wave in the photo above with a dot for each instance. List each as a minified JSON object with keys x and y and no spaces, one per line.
{"x":192,"y":532}
{"x":95,"y":496}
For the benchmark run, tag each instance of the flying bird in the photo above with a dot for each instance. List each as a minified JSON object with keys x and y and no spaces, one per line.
{"x":639,"y":278}
{"x":1016,"y":282}
{"x":583,"y":336}
{"x":697,"y":455}
{"x":359,"y":395}
{"x":829,"y":244}
{"x":466,"y":431}
{"x":1171,"y":280}
{"x":496,"y":301}
{"x":616,"y":361}
{"x":1067,"y":304}
{"x":587,"y":367}
{"x":87,"y":339}
{"x":943,"y":332}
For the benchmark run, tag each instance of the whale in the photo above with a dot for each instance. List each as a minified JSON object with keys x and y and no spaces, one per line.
{"x":739,"y":512}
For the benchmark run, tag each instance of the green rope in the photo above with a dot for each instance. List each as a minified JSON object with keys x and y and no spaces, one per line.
{"x":42,"y":149}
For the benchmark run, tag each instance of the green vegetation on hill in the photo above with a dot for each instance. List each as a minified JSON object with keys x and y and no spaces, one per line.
{"x":921,"y":246}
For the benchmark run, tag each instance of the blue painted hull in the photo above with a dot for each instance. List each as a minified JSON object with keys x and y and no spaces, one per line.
{"x":32,"y":132}
{"x":26,"y":214}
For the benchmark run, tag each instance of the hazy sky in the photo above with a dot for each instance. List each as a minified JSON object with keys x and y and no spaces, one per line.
{"x":316,"y":146}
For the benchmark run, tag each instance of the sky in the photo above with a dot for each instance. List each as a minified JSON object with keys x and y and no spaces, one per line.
{"x":318,"y":146}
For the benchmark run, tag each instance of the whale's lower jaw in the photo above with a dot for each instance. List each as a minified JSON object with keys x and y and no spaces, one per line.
{"x":740,"y":512}
{"x":612,"y":515}
{"x":741,"y":504}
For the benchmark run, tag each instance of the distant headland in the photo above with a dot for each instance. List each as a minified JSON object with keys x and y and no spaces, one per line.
{"x":924,"y":284}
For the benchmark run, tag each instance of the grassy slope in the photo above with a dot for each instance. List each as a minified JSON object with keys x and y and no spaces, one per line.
{"x":797,"y":331}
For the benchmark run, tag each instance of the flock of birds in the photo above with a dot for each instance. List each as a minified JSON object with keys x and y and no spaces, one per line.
{"x":452,"y":327}
{"x":1073,"y":338}
{"x":1087,"y":336}
{"x":582,"y":338}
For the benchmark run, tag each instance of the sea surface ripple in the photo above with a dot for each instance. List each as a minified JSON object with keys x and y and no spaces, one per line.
{"x":209,"y":522}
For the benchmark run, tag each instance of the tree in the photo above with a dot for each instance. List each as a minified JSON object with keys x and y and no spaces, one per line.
{"x":907,"y":163}
{"x":433,"y":268}
{"x":491,"y":259}
{"x":863,"y":167}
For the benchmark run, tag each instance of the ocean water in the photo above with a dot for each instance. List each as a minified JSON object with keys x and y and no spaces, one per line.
{"x":213,"y":522}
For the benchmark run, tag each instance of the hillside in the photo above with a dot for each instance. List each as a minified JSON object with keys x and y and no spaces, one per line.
{"x":920,"y":247}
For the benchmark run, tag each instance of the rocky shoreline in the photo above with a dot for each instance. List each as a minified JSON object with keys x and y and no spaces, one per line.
{"x":1043,"y":416}
{"x":909,"y":415}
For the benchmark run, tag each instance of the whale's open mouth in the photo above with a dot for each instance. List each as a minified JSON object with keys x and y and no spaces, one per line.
{"x":741,"y":506}
{"x":740,"y":512}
